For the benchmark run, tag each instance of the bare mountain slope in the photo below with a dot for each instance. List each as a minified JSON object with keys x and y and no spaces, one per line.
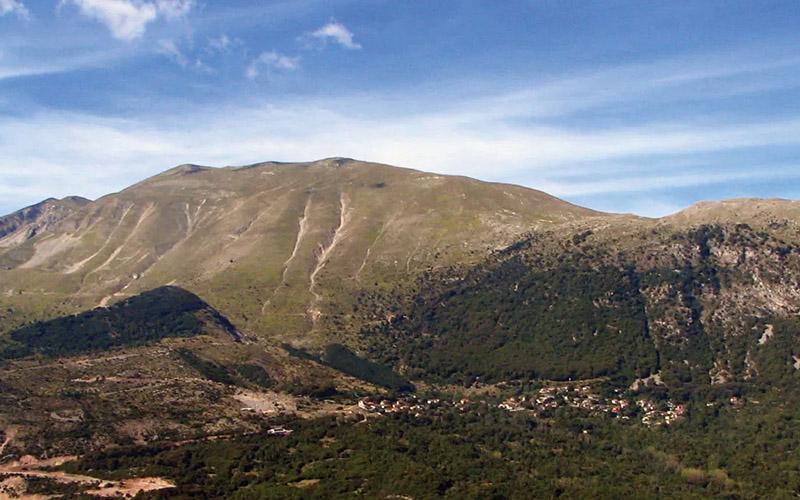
{"x":275,"y":247}
{"x":776,"y":216}
{"x":26,"y":223}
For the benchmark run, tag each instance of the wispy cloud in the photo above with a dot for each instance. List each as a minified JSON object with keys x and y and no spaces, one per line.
{"x":14,"y":7}
{"x":271,"y":59}
{"x":696,"y":77}
{"x":128,"y":19}
{"x":243,"y":134}
{"x":666,"y":181}
{"x":171,"y":50}
{"x":333,"y":32}
{"x":222,"y":43}
{"x":13,"y":66}
{"x":519,"y":134}
{"x":173,"y":9}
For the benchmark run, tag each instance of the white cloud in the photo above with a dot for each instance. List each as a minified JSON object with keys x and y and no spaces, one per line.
{"x":14,"y":7}
{"x":125,"y":19}
{"x":224,"y":44}
{"x":337,"y":33}
{"x":500,"y":135}
{"x":220,"y":44}
{"x":16,"y":66}
{"x":271,"y":59}
{"x":90,"y":156}
{"x":171,"y":50}
{"x":128,"y":19}
{"x":172,"y":9}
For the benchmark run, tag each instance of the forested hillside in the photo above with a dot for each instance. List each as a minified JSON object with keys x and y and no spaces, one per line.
{"x":710,"y":304}
{"x":140,"y":320}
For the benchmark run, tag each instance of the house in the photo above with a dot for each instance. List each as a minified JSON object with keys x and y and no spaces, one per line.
{"x":279,"y":431}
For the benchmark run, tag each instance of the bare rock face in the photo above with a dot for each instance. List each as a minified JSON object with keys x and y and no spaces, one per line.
{"x":26,"y":223}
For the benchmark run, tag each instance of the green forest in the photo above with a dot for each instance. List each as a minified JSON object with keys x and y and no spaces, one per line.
{"x":512,"y":322}
{"x":584,"y":313}
{"x":719,"y":451}
{"x":140,"y":320}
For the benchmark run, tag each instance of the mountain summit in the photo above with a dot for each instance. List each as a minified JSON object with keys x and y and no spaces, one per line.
{"x":274,"y":246}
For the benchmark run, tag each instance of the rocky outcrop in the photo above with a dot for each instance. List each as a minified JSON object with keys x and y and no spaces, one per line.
{"x":26,"y":223}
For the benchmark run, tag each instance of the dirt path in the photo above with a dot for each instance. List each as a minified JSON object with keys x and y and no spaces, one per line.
{"x":84,"y":362}
{"x":11,"y":433}
{"x":30,"y":467}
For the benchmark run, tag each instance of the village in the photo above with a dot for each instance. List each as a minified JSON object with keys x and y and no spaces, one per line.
{"x":542,"y":403}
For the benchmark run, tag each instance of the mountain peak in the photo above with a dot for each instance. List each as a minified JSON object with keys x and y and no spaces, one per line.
{"x":186,"y":168}
{"x":29,"y":221}
{"x":334,"y":162}
{"x":739,"y":208}
{"x":304,"y":231}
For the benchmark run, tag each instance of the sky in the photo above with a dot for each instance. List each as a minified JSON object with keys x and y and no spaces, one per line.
{"x":641,"y":107}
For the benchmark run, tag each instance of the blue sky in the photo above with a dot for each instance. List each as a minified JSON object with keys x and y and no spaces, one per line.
{"x":641,"y":107}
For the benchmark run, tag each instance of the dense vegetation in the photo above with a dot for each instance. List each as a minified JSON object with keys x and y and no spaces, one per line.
{"x":343,"y":359}
{"x":208,"y":369}
{"x":737,"y":453}
{"x":255,"y":374}
{"x":511,"y":321}
{"x":140,"y":320}
{"x":666,"y":304}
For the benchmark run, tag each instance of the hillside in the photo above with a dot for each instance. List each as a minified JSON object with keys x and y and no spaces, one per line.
{"x":439,"y":277}
{"x":278,"y":248}
{"x":778,"y":217}
{"x":693,"y":304}
{"x":322,"y":329}
{"x":26,"y":223}
{"x":159,"y":365}
{"x":141,"y":320}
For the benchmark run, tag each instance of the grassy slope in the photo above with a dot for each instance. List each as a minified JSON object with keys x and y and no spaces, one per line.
{"x":228,"y":235}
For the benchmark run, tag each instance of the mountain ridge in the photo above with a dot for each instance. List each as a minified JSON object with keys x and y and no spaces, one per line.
{"x":203,"y":302}
{"x":271,"y":242}
{"x":283,"y":248}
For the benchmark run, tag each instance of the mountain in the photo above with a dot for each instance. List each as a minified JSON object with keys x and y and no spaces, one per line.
{"x":337,"y":327}
{"x":28,"y":222}
{"x":693,"y":304}
{"x":280,"y":249}
{"x":435,"y":276}
{"x":141,"y":320}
